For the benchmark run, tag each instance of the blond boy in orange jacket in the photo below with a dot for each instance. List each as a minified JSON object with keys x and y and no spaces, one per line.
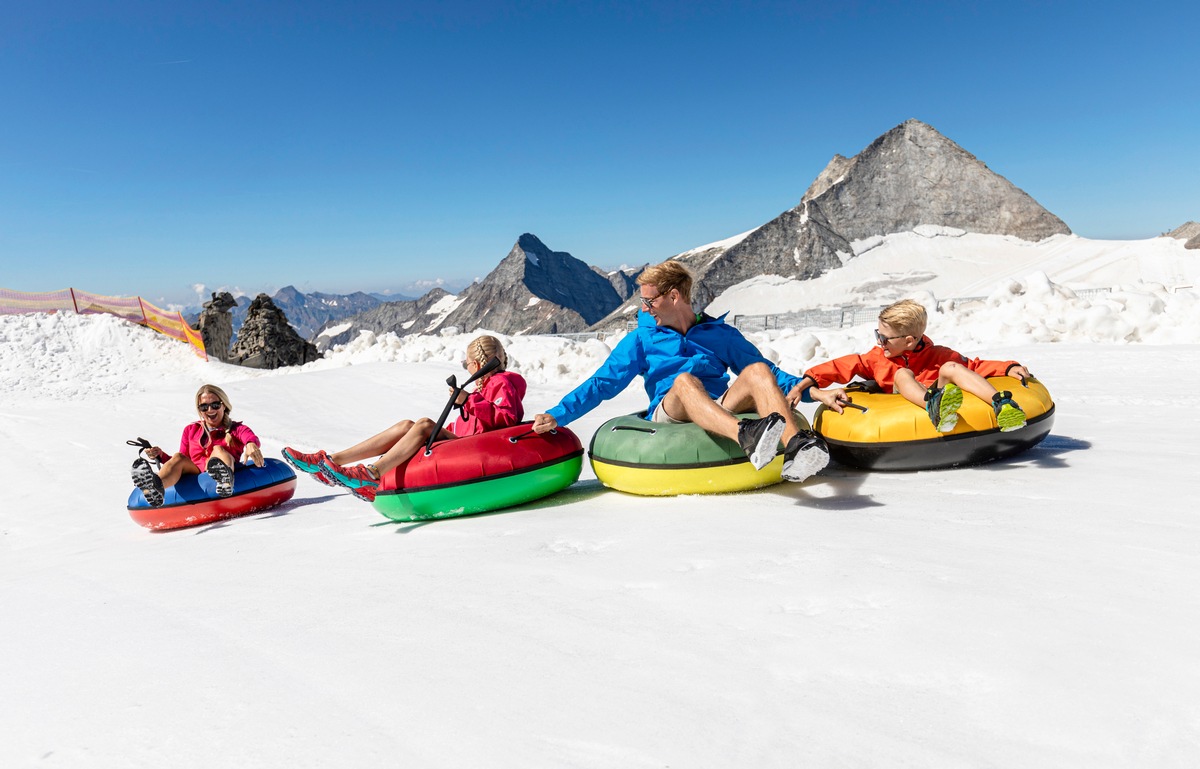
{"x":909,"y":363}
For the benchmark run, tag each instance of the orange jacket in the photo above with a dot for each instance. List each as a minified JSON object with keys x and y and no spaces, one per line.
{"x":924,"y":361}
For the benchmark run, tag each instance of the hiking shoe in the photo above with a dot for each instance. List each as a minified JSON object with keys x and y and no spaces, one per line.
{"x":1009,"y":415}
{"x":308,"y":463}
{"x":148,"y":481}
{"x":805,"y":455}
{"x":365,"y":493}
{"x":353,"y":477}
{"x":942,"y":406}
{"x":222,"y":474}
{"x":759,"y":438}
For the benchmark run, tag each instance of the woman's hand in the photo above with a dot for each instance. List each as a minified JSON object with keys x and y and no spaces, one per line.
{"x":252,"y":454}
{"x":461,"y":398}
{"x":156,"y":454}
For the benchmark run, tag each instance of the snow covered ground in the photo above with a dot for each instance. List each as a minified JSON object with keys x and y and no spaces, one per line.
{"x":1037,"y":612}
{"x":948,"y":263}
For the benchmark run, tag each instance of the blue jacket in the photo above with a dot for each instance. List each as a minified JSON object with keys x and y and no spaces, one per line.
{"x":708,"y":351}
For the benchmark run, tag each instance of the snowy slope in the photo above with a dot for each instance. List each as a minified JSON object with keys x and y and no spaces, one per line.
{"x":947,"y":263}
{"x":1038,"y":612}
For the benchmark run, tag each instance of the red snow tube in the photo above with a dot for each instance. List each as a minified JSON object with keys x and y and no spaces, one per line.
{"x":479,"y":473}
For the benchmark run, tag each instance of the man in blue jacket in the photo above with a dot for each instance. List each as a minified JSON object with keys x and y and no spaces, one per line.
{"x":684,"y":358}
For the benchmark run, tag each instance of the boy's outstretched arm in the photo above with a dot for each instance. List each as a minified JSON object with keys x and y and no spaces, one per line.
{"x":833,"y":398}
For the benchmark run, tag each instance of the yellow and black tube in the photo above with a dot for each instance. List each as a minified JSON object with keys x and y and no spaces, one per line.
{"x":883,"y":431}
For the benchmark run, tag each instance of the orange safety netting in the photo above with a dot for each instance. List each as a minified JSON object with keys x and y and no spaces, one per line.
{"x":133,"y":309}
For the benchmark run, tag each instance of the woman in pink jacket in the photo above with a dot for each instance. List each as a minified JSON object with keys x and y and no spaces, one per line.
{"x":213,"y":443}
{"x":495,"y":403}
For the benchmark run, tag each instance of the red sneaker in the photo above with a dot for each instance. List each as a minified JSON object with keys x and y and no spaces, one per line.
{"x":306,"y":463}
{"x":365,"y":493}
{"x":353,"y":477}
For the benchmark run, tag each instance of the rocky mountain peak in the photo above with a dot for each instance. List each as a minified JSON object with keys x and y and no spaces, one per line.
{"x":912,"y":175}
{"x":289,"y":294}
{"x":1188,"y":232}
{"x":536,"y":290}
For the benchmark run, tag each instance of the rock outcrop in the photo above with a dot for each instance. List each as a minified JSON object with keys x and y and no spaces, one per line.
{"x":267,"y":340}
{"x":215,"y":325}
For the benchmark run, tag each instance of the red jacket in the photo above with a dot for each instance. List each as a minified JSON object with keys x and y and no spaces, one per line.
{"x":497,"y":404}
{"x":199,"y":446}
{"x":924,"y":362}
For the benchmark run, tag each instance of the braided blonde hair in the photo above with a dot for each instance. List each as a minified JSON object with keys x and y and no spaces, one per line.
{"x":481,"y":349}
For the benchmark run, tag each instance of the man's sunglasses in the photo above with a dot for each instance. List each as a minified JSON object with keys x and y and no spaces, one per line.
{"x":649,"y":303}
{"x":209,"y":406}
{"x":883,"y":340}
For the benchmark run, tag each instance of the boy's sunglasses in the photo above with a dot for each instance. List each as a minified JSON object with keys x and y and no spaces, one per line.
{"x":883,"y":340}
{"x":209,"y":406}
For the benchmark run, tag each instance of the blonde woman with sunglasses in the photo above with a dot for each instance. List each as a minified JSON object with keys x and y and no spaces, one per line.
{"x":214,"y":443}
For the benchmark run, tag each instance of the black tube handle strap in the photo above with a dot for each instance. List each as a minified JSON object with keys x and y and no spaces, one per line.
{"x":491,"y":365}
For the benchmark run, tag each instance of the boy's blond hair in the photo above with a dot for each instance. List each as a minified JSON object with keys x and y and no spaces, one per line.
{"x":666,"y":276}
{"x":906,"y":317}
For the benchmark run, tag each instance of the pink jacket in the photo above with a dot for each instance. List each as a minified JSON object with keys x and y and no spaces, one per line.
{"x":198,"y":446}
{"x":497,"y":404}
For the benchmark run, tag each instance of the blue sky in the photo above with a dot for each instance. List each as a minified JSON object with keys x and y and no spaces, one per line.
{"x":149,"y":146}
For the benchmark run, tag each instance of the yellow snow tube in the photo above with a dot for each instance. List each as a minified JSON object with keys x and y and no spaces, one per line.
{"x":883,"y":431}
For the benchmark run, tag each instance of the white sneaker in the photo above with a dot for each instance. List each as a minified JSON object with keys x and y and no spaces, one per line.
{"x":805,"y":455}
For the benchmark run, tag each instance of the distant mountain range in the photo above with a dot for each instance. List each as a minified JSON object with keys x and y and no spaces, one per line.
{"x":908,"y":177}
{"x":307,"y":313}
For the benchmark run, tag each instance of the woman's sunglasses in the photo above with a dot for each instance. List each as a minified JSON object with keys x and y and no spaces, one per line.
{"x":209,"y":406}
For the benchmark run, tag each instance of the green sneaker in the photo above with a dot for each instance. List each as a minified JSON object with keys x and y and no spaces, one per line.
{"x":942,"y":406}
{"x":1009,"y":415}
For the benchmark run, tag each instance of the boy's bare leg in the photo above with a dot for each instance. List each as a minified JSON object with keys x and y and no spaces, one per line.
{"x":908,"y":386}
{"x":967,"y":380}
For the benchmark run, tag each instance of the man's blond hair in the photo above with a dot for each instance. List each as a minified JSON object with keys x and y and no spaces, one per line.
{"x":906,"y":317}
{"x":666,"y":276}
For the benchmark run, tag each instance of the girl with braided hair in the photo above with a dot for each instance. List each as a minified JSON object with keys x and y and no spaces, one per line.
{"x":495,"y":403}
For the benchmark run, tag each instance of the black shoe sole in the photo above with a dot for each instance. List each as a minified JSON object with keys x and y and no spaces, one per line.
{"x":148,"y":481}
{"x":223,"y":475}
{"x":807,"y":462}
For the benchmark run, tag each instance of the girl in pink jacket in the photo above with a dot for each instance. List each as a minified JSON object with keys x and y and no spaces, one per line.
{"x":495,"y":403}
